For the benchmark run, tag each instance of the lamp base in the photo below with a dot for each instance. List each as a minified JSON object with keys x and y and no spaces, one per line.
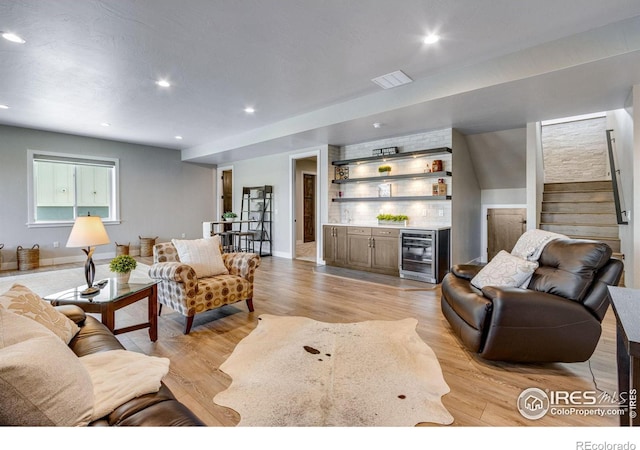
{"x":90,"y":291}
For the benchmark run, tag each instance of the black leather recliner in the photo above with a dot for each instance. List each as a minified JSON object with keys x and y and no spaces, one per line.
{"x":556,"y":319}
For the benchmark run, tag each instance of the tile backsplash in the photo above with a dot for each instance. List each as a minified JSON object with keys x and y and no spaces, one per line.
{"x":420,"y":212}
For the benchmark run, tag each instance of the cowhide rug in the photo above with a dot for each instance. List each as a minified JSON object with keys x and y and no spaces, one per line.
{"x":294,"y":371}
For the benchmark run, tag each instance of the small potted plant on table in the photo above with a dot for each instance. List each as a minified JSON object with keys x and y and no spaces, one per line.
{"x":122,"y":265}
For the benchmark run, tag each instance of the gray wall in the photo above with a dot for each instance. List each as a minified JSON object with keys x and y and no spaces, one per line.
{"x":159,"y":194}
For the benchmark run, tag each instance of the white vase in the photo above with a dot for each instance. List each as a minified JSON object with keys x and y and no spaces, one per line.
{"x":123,"y":278}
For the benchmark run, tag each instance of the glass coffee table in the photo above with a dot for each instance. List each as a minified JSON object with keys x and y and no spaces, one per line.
{"x":112,"y":297}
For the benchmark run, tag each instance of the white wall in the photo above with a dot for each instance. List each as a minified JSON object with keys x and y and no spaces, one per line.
{"x":276,"y":170}
{"x":465,"y":204}
{"x":159,"y":194}
{"x":621,"y":122}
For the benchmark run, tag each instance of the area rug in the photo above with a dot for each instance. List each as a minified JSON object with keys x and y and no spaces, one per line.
{"x":44,"y":283}
{"x":294,"y":371}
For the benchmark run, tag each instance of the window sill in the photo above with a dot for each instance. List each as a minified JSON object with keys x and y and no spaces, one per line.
{"x":64,"y":224}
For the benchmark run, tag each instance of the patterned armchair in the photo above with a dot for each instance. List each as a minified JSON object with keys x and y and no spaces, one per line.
{"x":180,"y":289}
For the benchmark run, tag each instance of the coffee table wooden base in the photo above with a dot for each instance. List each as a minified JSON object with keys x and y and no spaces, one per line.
{"x":107,"y":310}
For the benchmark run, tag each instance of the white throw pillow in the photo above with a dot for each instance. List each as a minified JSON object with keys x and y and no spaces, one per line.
{"x":201,"y":254}
{"x":505,"y":270}
{"x":23,"y":301}
{"x":42,"y":382}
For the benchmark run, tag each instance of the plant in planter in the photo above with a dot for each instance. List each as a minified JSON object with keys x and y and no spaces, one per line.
{"x":123,"y":265}
{"x":229,"y":215}
{"x":391,"y":219}
{"x":384,"y":170}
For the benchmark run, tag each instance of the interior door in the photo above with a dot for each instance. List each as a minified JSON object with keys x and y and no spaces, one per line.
{"x":227,"y":194}
{"x":504,"y":227}
{"x":309,"y":202}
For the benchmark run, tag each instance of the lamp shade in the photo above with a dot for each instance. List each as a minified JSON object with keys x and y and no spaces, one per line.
{"x":87,"y":232}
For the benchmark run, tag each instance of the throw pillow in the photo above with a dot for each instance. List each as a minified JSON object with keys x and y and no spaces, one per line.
{"x":505,"y":270}
{"x":42,"y":382}
{"x":23,"y":301}
{"x":202,"y":254}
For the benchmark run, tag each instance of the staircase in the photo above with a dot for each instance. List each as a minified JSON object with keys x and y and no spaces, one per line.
{"x":584,"y":210}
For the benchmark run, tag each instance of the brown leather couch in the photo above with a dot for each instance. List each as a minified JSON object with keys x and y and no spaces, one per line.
{"x":556,"y":319}
{"x":156,"y":409}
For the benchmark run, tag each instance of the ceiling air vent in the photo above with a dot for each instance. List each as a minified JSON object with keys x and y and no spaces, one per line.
{"x":392,"y":79}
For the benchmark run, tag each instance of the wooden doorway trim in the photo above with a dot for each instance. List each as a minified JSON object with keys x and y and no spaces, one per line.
{"x":219,"y":194}
{"x":309,"y":207}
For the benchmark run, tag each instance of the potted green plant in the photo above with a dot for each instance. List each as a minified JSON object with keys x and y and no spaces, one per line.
{"x":391,"y":219}
{"x":122,"y":265}
{"x":384,"y":170}
{"x":229,"y":215}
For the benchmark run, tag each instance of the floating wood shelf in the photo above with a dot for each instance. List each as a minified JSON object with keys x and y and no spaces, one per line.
{"x":383,"y":178}
{"x":431,"y":151}
{"x":392,"y":199}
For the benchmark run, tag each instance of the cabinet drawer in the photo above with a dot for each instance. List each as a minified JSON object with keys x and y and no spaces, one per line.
{"x":363,"y":231}
{"x":385,"y":232}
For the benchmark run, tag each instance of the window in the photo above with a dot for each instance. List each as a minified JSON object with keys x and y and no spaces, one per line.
{"x":64,"y":187}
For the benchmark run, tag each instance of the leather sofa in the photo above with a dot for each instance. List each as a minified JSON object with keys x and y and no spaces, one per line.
{"x":157,"y":409}
{"x":557,"y":318}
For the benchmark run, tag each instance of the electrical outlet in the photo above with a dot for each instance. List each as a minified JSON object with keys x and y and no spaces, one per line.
{"x":56,"y":244}
{"x":183,"y":235}
{"x":441,"y":212}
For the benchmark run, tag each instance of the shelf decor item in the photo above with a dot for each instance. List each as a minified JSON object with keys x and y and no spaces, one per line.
{"x":122,"y":265}
{"x":436,"y":165}
{"x":384,"y":190}
{"x":146,"y":245}
{"x":385,"y":151}
{"x":28,"y":258}
{"x":341,"y":173}
{"x":440,"y":188}
{"x":384,"y":170}
{"x":391,"y":219}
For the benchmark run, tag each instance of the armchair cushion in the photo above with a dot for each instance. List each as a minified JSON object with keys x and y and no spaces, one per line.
{"x":505,"y":270}
{"x":202,"y":254}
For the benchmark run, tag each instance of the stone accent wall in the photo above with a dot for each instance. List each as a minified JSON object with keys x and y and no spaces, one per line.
{"x":575,"y":151}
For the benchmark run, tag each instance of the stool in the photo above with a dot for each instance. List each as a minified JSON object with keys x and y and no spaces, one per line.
{"x":245,"y":237}
{"x":226,"y":238}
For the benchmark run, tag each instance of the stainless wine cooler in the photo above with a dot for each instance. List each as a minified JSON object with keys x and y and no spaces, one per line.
{"x":424,"y":254}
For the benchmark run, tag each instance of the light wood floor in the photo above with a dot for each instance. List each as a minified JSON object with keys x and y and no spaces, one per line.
{"x":482,"y":393}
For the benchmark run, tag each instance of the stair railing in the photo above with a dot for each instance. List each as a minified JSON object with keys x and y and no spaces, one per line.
{"x":621,"y":212}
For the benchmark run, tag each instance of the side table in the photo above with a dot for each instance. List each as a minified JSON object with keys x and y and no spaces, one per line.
{"x":626,"y":306}
{"x":111,"y":298}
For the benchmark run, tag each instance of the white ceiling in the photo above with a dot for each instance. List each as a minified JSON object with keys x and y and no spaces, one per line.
{"x":306,"y":66}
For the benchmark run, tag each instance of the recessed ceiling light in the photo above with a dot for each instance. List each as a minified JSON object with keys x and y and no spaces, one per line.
{"x":377,"y":125}
{"x":105,"y":124}
{"x":163,"y":83}
{"x":11,"y":37}
{"x":4,"y":107}
{"x":249,"y":110}
{"x":392,"y":79}
{"x":178,"y":138}
{"x":431,"y":39}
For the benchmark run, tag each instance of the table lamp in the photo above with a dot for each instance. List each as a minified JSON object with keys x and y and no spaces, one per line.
{"x":88,"y":231}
